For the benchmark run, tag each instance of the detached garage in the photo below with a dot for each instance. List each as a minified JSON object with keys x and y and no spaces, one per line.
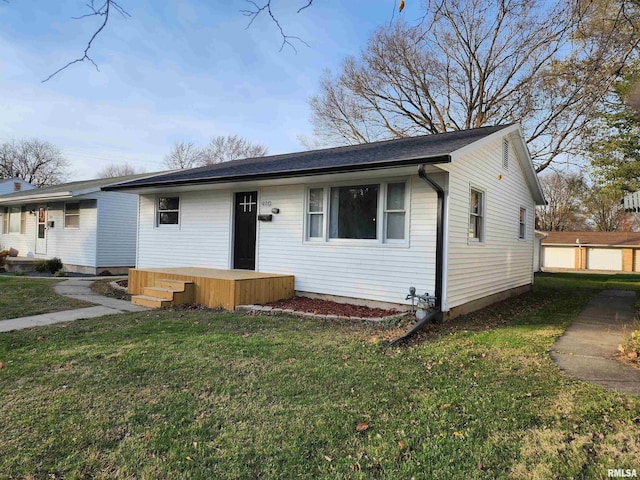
{"x":591,"y":251}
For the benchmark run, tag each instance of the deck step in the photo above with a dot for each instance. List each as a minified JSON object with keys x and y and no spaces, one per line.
{"x":175,"y":285}
{"x":159,"y":292}
{"x":151,"y":302}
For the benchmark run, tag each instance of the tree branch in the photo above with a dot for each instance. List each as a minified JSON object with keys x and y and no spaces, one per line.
{"x":102,"y":11}
{"x":286,"y":39}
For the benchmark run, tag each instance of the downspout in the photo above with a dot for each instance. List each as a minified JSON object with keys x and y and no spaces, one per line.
{"x":436,"y":313}
{"x":439,"y":235}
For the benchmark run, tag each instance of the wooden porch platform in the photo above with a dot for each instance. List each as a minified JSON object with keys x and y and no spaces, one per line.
{"x":213,"y":287}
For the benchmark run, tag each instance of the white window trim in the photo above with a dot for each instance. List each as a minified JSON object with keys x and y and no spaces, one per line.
{"x":524,"y":237}
{"x":483,"y":210}
{"x":156,"y":210}
{"x":380,"y":239}
{"x":65,"y":214}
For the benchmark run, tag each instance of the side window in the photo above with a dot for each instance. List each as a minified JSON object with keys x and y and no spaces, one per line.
{"x":168,"y":211}
{"x":14,"y":219}
{"x":476,"y":215}
{"x":315,"y":213}
{"x":394,"y":211}
{"x":71,"y":215}
{"x":522,"y":232}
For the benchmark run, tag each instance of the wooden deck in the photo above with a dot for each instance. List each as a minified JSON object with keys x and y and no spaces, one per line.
{"x":218,"y":288}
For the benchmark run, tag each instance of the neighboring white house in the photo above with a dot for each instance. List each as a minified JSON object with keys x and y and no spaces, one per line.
{"x":10,"y":185}
{"x":89,"y":230}
{"x":593,"y":251}
{"x":359,"y":222}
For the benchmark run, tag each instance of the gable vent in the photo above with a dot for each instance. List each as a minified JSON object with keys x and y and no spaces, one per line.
{"x":505,"y":154}
{"x":17,"y":186}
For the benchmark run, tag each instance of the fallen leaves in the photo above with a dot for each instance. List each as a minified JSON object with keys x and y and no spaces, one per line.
{"x":361,"y":427}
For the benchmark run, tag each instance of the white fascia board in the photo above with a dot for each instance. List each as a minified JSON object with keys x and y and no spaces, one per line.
{"x":42,"y":197}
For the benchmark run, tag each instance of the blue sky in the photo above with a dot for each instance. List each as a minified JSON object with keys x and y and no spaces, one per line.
{"x":176,"y":70}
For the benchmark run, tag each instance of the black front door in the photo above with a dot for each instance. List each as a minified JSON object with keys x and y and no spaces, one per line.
{"x":244,"y":246}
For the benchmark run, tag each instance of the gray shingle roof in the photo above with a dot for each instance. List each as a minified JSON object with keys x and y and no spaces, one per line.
{"x":390,"y":153}
{"x":71,"y":187}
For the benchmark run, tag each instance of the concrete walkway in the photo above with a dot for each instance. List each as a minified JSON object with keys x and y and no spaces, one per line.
{"x":80,"y":289}
{"x":587,"y":347}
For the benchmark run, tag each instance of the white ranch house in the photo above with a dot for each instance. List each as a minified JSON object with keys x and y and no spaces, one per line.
{"x":451,"y":214}
{"x":89,"y":230}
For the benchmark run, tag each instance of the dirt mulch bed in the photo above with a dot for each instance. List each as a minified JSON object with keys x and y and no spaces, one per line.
{"x":326,"y":307}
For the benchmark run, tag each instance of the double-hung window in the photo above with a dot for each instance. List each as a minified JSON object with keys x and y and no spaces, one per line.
{"x":369,"y":212}
{"x":522,"y":232}
{"x":315,"y":213}
{"x":71,"y":215}
{"x":13,"y":220}
{"x":476,"y":215}
{"x":394,"y":211}
{"x":168,"y":211}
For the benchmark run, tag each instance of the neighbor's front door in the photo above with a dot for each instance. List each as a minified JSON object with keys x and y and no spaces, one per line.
{"x":41,"y":231}
{"x":244,"y":232}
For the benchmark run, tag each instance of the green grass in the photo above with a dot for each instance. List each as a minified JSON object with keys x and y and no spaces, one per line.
{"x":21,"y":297}
{"x":202,"y":394}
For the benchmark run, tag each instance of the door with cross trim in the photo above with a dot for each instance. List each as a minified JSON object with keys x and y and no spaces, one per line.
{"x":244,"y":232}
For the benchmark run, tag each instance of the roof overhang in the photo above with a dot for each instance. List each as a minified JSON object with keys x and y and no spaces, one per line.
{"x":295,"y":176}
{"x":42,"y":197}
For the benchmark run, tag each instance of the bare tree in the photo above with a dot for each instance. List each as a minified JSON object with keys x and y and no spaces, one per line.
{"x":219,"y":149}
{"x":564,"y":211}
{"x":472,"y":63}
{"x":183,"y":155}
{"x":222,"y":149}
{"x":38,"y":162}
{"x":118,"y":170}
{"x":604,"y":210}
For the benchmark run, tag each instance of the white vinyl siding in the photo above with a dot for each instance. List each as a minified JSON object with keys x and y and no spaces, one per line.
{"x":203,"y":238}
{"x":117,"y":229}
{"x":604,"y":259}
{"x":368,"y":271}
{"x":501,"y":261}
{"x":558,"y":257}
{"x":23,"y":242}
{"x":74,"y":246}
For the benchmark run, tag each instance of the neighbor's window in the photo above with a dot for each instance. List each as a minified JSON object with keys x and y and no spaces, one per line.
{"x":523,"y":223}
{"x":71,"y":215}
{"x":394,"y":211}
{"x":353,"y":212}
{"x":168,"y":210}
{"x":23,"y":220}
{"x":476,"y":214}
{"x":315,"y":213}
{"x":14,"y":219}
{"x":5,"y":220}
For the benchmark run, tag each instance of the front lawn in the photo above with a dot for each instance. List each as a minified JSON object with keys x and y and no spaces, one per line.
{"x":21,"y":297}
{"x":202,"y":394}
